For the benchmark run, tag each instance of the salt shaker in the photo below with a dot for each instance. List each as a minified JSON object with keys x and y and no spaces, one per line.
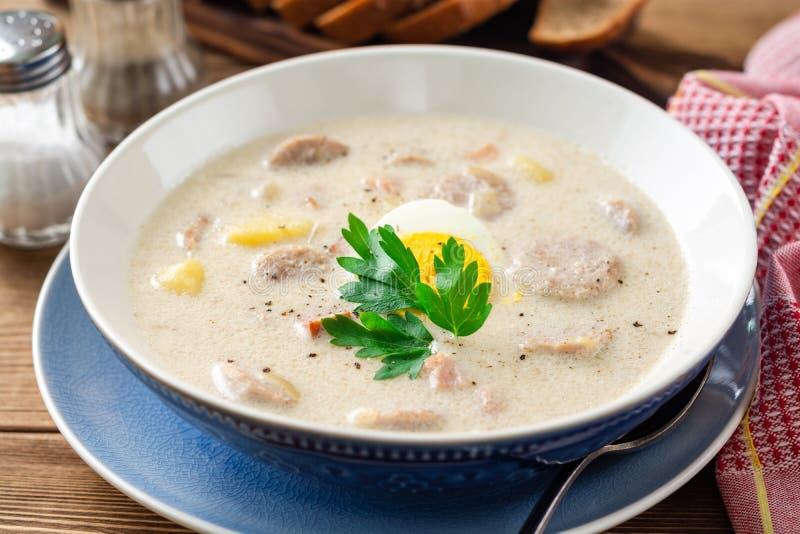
{"x":134,"y":59}
{"x":47,"y":148}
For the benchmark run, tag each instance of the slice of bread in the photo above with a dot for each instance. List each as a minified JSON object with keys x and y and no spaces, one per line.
{"x":300,"y":13}
{"x":356,"y":21}
{"x":581,"y":25}
{"x":444,"y":19}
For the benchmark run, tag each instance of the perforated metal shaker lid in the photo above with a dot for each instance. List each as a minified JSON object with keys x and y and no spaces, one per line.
{"x":33,"y":50}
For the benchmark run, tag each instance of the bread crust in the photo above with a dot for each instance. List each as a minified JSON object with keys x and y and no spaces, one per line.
{"x":356,"y":21}
{"x":300,"y":13}
{"x":606,"y":32}
{"x":444,"y":19}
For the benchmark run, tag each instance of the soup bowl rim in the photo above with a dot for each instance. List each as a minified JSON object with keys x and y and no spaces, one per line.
{"x":582,"y":419}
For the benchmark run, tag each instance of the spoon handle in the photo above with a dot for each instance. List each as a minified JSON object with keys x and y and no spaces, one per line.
{"x":547,"y":503}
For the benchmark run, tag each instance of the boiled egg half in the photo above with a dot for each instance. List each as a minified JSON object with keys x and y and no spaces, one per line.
{"x":425,"y":225}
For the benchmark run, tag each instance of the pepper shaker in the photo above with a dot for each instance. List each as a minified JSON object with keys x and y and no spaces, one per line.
{"x":48,"y":150}
{"x":134,"y":59}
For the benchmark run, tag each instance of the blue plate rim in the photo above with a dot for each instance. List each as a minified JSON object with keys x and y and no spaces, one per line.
{"x":195,"y":523}
{"x":159,"y":507}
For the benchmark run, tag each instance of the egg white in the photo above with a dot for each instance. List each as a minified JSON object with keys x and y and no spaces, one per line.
{"x":435,"y":215}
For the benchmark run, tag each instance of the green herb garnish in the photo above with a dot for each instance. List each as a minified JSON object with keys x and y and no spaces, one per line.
{"x":401,"y":342}
{"x":389,"y":282}
{"x":387,"y":270}
{"x":459,"y":305}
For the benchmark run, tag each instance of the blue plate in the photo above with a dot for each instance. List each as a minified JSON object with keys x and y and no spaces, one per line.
{"x":140,"y":446}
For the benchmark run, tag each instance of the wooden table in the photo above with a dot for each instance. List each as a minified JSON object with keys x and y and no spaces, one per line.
{"x":45,"y":487}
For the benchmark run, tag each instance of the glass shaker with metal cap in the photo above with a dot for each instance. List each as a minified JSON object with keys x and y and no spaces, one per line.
{"x":47,"y":148}
{"x":134,"y":59}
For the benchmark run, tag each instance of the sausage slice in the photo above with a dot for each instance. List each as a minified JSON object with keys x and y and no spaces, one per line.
{"x":395,"y":420}
{"x":621,"y":214}
{"x":287,"y":261}
{"x":443,"y":374}
{"x":590,"y":342}
{"x":236,"y":383}
{"x":307,"y":150}
{"x":483,"y":192}
{"x":567,"y":268}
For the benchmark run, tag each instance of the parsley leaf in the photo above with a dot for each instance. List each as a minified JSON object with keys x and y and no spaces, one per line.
{"x":389,"y":281}
{"x":401,"y":342}
{"x":387,"y":270}
{"x":460,"y":305}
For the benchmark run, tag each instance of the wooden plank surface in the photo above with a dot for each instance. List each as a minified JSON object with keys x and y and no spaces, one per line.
{"x":21,"y":275}
{"x":45,"y":487}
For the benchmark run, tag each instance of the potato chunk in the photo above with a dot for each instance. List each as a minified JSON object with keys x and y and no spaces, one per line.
{"x":185,"y":277}
{"x":532,"y":169}
{"x":267,"y":229}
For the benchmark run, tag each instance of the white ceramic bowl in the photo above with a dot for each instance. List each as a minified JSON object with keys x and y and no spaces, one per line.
{"x":696,"y":192}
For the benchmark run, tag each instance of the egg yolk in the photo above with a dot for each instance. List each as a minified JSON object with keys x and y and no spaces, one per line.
{"x":426,"y":245}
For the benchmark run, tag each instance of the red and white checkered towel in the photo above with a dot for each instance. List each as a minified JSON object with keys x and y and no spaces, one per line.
{"x":752,"y":120}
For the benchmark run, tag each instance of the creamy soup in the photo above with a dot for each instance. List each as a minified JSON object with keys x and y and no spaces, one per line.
{"x":234,"y":270}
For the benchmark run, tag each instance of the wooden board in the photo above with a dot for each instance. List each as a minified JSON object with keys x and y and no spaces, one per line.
{"x":21,"y":276}
{"x":45,"y":487}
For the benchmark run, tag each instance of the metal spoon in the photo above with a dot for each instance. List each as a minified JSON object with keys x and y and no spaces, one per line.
{"x":642,"y":435}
